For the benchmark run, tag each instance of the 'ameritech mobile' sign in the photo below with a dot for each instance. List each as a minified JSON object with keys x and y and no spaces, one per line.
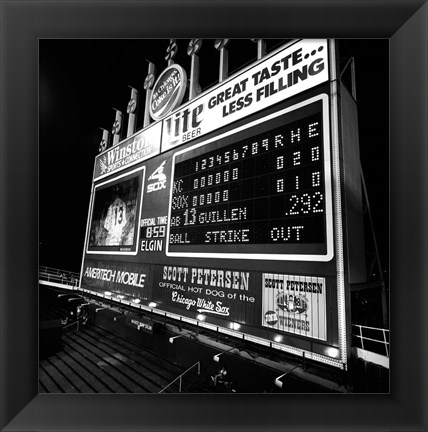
{"x":294,"y":69}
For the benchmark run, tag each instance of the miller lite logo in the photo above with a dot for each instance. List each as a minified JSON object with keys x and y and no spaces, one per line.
{"x":159,"y":177}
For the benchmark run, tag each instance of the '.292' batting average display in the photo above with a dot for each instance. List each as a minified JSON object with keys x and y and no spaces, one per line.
{"x":263,"y":191}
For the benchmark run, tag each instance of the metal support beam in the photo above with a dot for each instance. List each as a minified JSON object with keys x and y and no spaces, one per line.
{"x":261,"y":48}
{"x":104,"y":141}
{"x":351,"y":62}
{"x":148,"y":85}
{"x":384,"y":302}
{"x":131,"y":109}
{"x":171,"y":51}
{"x":220,"y":45}
{"x":192,"y":50}
{"x":117,"y":126}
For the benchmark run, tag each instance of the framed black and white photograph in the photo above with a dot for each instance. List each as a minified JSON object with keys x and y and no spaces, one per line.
{"x":233,"y":222}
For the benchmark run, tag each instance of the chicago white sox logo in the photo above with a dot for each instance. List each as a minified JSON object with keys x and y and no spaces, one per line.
{"x":160,"y":177}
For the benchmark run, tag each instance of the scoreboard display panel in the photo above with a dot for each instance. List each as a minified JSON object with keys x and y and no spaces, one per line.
{"x":259,"y":192}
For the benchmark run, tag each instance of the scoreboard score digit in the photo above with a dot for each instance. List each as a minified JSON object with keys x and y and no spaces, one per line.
{"x":262,"y":191}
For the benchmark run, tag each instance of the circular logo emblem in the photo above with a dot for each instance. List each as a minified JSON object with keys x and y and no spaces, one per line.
{"x":116,"y":127}
{"x":103,"y":145}
{"x":271,"y":317}
{"x":168,"y":91}
{"x":149,"y":81}
{"x":132,"y":105}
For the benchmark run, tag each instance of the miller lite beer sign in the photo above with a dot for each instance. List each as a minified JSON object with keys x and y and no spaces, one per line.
{"x":295,"y":68}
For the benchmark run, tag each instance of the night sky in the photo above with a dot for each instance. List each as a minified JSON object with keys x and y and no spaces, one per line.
{"x":81,"y":81}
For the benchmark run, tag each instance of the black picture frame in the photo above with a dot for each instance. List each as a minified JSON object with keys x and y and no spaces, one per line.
{"x":404,"y":22}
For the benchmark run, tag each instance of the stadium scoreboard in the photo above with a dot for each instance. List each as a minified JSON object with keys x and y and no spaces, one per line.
{"x":231,"y":220}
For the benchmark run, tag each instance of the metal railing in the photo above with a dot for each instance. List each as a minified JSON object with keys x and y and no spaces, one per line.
{"x":74,"y":323}
{"x":278,"y":381}
{"x":180,"y":377}
{"x":63,"y":277}
{"x":376,"y":339}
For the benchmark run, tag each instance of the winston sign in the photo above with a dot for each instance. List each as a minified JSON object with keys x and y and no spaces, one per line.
{"x":137,"y":148}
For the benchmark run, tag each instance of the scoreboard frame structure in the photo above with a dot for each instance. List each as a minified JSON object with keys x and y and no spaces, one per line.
{"x":225,"y":292}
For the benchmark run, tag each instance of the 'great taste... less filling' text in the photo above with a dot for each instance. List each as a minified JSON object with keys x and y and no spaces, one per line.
{"x":238,"y":97}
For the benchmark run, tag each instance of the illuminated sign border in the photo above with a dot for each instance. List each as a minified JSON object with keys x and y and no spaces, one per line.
{"x":137,"y":217}
{"x":340,"y":264}
{"x":328,"y":192}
